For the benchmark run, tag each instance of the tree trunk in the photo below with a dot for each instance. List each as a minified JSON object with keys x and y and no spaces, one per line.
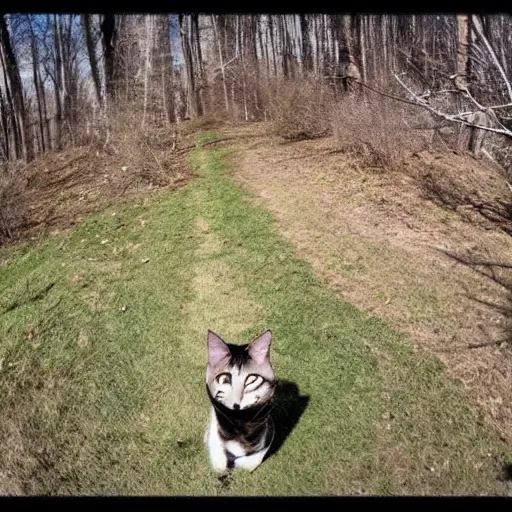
{"x":200,"y":83}
{"x":86,"y":22}
{"x":362,"y":46}
{"x":272,"y":42}
{"x":284,"y":46}
{"x":462,"y":65}
{"x":4,"y":119}
{"x":58,"y":83}
{"x":306,"y":45}
{"x":351,"y":71}
{"x":149,"y":34}
{"x":221,"y":61}
{"x":11,"y":67}
{"x":37,"y":86}
{"x":108,"y":29}
{"x":168,"y":69}
{"x":189,"y":66}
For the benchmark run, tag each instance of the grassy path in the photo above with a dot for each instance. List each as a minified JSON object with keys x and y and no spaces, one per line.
{"x":103,"y":358}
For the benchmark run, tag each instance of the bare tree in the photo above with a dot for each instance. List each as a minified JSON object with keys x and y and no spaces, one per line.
{"x":91,"y":52}
{"x":455,"y":65}
{"x":165,"y":49}
{"x":193,"y":92}
{"x":221,"y":60}
{"x":39,"y":90}
{"x":108,"y":30}
{"x":14,"y":89}
{"x":462,"y":71}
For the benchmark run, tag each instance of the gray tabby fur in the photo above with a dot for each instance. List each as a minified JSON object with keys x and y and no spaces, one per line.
{"x":240,"y":383}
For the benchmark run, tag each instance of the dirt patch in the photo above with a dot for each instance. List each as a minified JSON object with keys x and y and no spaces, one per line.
{"x":407,"y":245}
{"x":210,"y":244}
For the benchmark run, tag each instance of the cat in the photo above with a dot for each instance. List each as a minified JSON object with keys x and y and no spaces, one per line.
{"x":240,"y":383}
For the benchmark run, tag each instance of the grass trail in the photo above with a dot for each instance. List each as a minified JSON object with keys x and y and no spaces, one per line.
{"x":103,"y":359}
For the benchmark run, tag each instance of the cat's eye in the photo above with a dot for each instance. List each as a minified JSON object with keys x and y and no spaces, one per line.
{"x":253,"y":379}
{"x":224,"y":378}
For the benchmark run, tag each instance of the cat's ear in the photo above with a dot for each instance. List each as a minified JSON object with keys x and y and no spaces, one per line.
{"x":259,"y":348}
{"x":218,"y":351}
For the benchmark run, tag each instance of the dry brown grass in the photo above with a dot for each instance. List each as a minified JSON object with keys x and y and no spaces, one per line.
{"x":501,"y":148}
{"x":377,"y":130}
{"x":389,"y":247}
{"x":22,"y":463}
{"x":476,"y":190}
{"x":57,"y":190}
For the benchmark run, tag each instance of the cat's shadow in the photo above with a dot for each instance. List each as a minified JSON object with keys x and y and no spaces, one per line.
{"x":289,"y":406}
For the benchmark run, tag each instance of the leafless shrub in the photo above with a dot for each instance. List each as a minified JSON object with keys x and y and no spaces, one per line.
{"x":300,"y":109}
{"x":501,"y":149}
{"x":146,"y":154}
{"x":379,"y":131}
{"x":211,"y":121}
{"x":12,"y":211}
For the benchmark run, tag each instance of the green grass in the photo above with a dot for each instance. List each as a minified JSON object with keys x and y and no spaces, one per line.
{"x":106,"y":396}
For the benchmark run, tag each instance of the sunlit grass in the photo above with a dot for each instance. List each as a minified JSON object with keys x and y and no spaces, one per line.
{"x":103,"y":360}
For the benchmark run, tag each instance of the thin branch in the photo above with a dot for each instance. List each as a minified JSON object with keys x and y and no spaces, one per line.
{"x":489,"y":343}
{"x":501,"y":106}
{"x":454,"y":118}
{"x":156,"y":159}
{"x":397,"y":98}
{"x":459,"y":118}
{"x":225,"y":65}
{"x":465,"y":92}
{"x":478,"y":27}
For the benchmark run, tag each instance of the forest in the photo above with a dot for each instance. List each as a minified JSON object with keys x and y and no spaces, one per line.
{"x":343,"y":180}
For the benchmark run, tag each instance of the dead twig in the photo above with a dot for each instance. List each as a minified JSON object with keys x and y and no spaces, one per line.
{"x":489,"y":343}
{"x":457,"y":118}
{"x":479,"y":30}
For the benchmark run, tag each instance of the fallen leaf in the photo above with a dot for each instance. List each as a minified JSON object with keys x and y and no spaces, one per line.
{"x":83,"y":339}
{"x":30,"y":334}
{"x":77,"y":278}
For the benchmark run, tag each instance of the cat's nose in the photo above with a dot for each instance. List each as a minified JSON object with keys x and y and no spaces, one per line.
{"x":236,"y":407}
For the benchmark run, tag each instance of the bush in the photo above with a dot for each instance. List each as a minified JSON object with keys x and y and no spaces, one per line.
{"x":300,"y":109}
{"x":12,"y":210}
{"x":147,"y":152}
{"x":500,"y":148}
{"x":377,"y":130}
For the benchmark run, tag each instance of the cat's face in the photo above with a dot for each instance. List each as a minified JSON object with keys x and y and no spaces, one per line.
{"x":240,"y":376}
